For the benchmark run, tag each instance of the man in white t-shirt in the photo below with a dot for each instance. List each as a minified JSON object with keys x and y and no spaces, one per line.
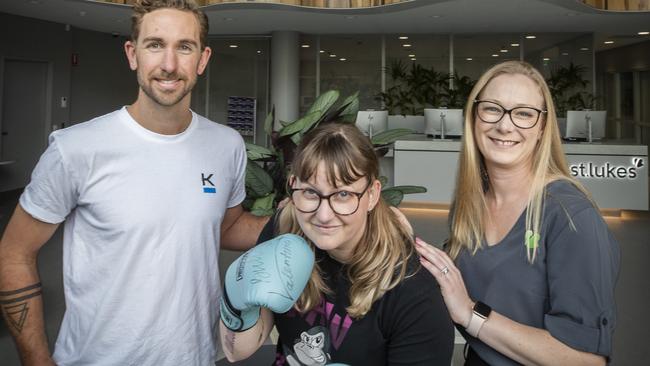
{"x":149,"y":194}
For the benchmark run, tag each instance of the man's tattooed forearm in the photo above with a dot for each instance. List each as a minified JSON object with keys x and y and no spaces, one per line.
{"x":15,"y":306}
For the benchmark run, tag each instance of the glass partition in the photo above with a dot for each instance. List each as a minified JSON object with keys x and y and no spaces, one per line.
{"x":352,"y":63}
{"x":309,"y":53}
{"x":417,"y":71}
{"x":566,"y":60}
{"x":474,"y":53}
{"x":428,"y":50}
{"x":238,"y":68}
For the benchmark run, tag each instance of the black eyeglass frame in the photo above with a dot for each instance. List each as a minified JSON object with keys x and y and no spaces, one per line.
{"x":508,"y":112}
{"x":327,"y":197}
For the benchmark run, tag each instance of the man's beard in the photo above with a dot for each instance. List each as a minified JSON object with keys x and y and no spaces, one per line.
{"x":162,"y":98}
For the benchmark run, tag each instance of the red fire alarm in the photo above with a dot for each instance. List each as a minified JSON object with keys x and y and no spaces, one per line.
{"x":74,"y":59}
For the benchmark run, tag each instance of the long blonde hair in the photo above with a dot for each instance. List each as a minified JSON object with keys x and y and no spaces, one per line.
{"x":469,"y":208}
{"x":379,"y":261}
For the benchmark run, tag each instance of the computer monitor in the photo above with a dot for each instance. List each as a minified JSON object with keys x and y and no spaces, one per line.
{"x":372,"y":122}
{"x":577,"y":125}
{"x":443,"y":122}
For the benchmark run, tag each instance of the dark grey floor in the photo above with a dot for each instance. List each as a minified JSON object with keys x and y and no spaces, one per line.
{"x":633,"y":292}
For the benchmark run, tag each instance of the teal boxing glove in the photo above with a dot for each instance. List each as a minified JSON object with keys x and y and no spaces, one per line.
{"x":272,"y":274}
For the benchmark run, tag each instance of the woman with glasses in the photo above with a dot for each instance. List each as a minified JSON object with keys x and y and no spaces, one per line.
{"x":528,"y":272}
{"x":368,"y":301}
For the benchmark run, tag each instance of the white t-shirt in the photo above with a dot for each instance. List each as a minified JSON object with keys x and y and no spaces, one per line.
{"x":142,"y":215}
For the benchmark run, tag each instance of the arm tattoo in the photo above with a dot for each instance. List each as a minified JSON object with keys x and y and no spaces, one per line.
{"x":15,"y":306}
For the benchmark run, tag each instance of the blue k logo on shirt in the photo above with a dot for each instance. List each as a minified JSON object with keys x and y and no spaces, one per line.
{"x":208,"y":186}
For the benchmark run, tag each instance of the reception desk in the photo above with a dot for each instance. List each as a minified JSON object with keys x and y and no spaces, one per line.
{"x":615,"y":173}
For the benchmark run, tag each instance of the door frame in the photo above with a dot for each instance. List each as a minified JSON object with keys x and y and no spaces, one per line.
{"x":49,"y":81}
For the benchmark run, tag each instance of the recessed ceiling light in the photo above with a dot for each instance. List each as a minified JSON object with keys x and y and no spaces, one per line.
{"x":322,"y":51}
{"x":531,"y":37}
{"x":584,"y":49}
{"x":546,"y":59}
{"x":435,"y":16}
{"x":305,"y":46}
{"x":608,"y":42}
{"x":413,"y":59}
{"x":332,"y":55}
{"x":233,"y":46}
{"x":514,"y":44}
{"x":644,"y":33}
{"x":406,"y":45}
{"x":565,"y":54}
{"x":342,"y":59}
{"x":258,"y":52}
{"x":411,"y":55}
{"x":469,"y":59}
{"x":495,"y":55}
{"x":403,"y":37}
{"x":503,"y":50}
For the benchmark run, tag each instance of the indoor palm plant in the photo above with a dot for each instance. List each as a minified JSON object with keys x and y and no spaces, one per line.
{"x":454,"y":94}
{"x":267,"y":169}
{"x":567,"y":86}
{"x":412,"y":88}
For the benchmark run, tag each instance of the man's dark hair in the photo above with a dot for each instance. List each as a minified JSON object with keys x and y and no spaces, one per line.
{"x":142,"y":7}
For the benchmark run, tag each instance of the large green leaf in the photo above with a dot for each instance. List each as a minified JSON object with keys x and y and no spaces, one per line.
{"x":349,"y":113}
{"x":296,"y":138}
{"x":346,"y":112}
{"x":256,"y":152}
{"x":302,"y":124}
{"x":324,"y":102}
{"x":258,"y":180}
{"x":392,"y":196}
{"x":390,"y":136}
{"x":349,"y":100}
{"x":410,"y":189}
{"x":268,"y":122}
{"x":263,"y":206}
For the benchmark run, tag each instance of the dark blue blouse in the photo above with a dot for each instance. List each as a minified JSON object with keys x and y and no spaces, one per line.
{"x":568,"y":290}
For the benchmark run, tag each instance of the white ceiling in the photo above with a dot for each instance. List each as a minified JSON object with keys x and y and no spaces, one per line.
{"x":417,"y":16}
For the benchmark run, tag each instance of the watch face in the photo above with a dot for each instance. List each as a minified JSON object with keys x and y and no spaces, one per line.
{"x":482,"y":309}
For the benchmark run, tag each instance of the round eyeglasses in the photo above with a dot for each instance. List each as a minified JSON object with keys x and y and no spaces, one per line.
{"x":522,"y":117}
{"x":308,"y":200}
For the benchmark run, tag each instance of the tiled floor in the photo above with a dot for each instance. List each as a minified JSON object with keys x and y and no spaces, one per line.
{"x":633,"y":292}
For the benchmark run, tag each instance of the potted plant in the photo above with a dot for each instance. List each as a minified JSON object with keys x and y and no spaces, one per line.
{"x":268,"y":168}
{"x":412,"y":89}
{"x":567,"y":86}
{"x":453,"y":97}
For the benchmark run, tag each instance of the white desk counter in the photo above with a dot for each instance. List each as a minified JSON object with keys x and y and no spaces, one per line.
{"x":615,"y":173}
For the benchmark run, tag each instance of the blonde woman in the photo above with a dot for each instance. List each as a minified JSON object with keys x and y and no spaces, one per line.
{"x":368,"y":301}
{"x":529,"y":270}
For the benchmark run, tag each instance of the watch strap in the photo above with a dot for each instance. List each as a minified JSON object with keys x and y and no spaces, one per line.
{"x":480,"y":313}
